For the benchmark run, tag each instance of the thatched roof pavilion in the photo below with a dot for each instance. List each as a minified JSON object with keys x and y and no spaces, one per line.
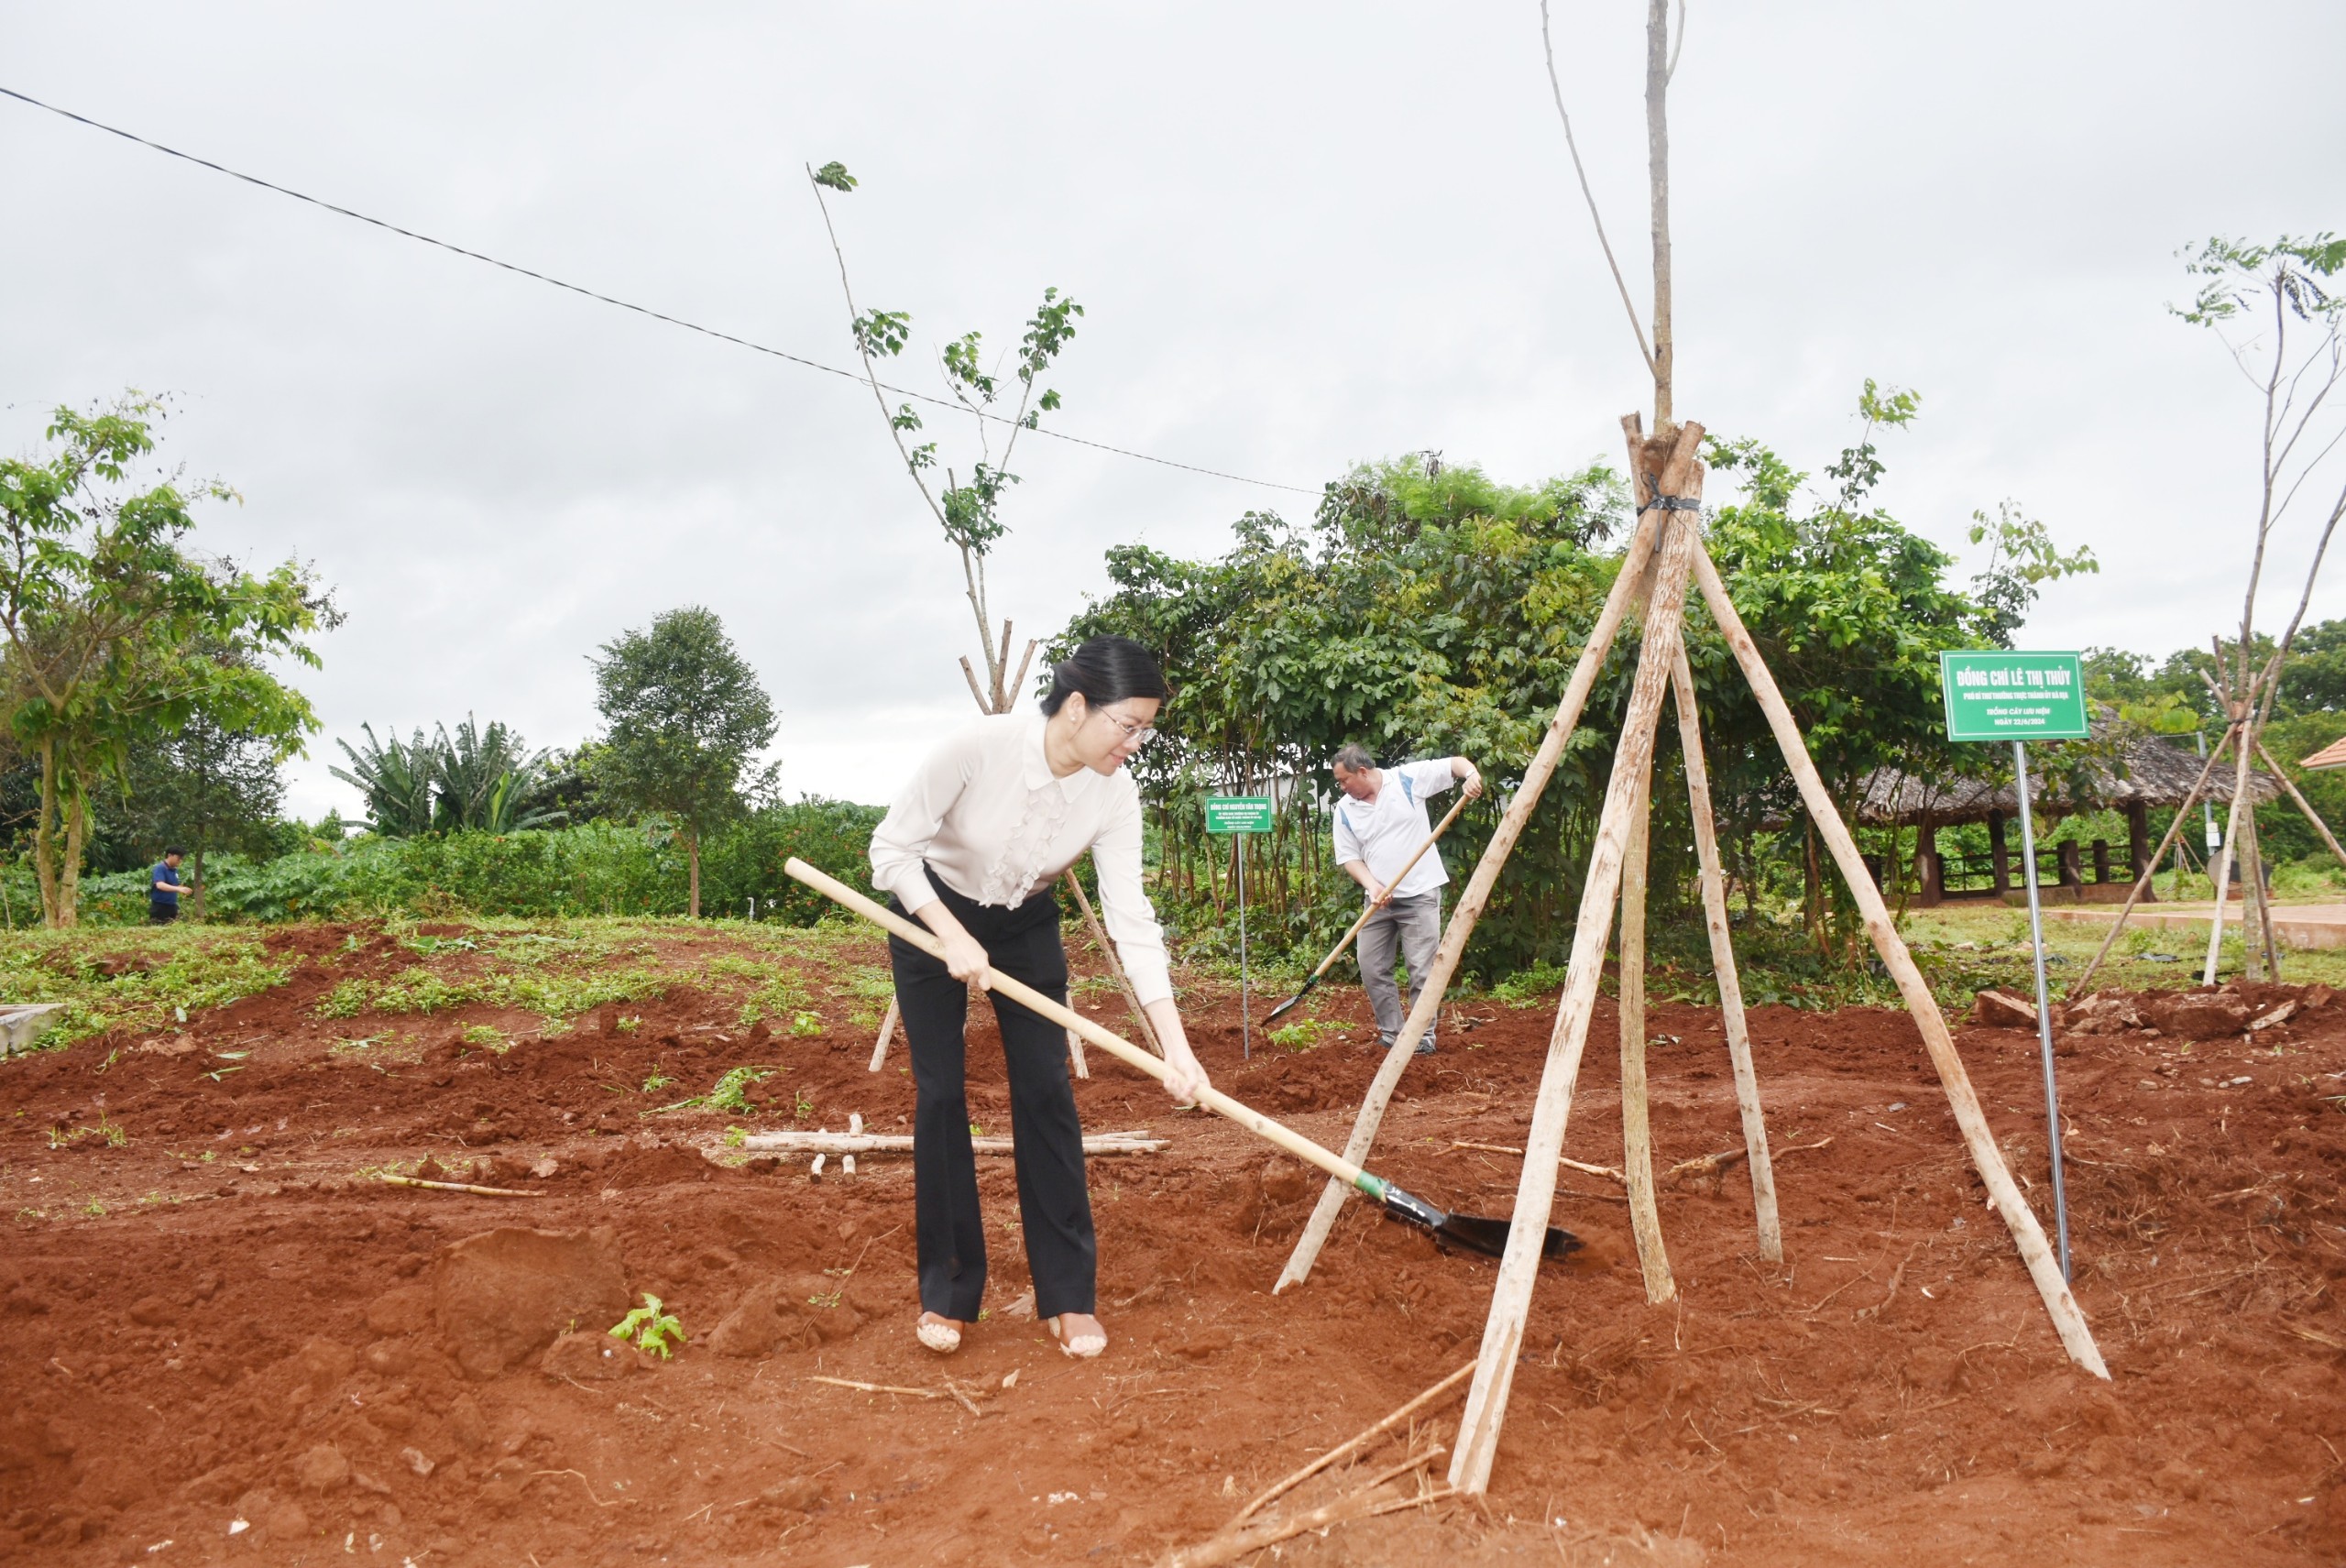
{"x":2148,"y":772}
{"x":2133,"y":773}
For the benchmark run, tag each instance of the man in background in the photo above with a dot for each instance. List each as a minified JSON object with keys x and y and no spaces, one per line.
{"x":1379,"y":824}
{"x":163,"y":890}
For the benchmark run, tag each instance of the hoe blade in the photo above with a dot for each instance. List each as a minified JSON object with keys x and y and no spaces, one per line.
{"x":1473,"y":1232}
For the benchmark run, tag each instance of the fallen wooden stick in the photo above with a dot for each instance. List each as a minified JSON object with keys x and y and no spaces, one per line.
{"x":1705,"y":1165}
{"x":1609,"y":1172}
{"x":457,"y":1186}
{"x":902,"y":1142}
{"x":1280,"y":1487}
{"x":948,"y":1392}
{"x":1230,"y":1544}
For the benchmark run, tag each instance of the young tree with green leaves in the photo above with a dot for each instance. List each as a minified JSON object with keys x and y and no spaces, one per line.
{"x":970,"y":512}
{"x":117,"y":635}
{"x":686,"y":716}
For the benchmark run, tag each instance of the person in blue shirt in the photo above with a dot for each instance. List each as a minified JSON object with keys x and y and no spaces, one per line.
{"x":1378,"y":825}
{"x":163,"y":889}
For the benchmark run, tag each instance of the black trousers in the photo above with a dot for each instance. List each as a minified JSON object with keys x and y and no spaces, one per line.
{"x":1054,"y":1205}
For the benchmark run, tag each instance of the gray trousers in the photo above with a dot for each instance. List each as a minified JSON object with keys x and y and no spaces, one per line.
{"x":1414,"y":926}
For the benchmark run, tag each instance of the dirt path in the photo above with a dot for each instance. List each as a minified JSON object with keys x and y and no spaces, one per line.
{"x":217,"y":1316}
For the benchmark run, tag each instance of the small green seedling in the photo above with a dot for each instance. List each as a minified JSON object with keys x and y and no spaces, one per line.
{"x":1304,"y":1034}
{"x":649,"y":1328}
{"x":728,"y":1095}
{"x":656,"y":1082}
{"x":626,"y":1026}
{"x":805,"y":1025}
{"x":485,"y":1035}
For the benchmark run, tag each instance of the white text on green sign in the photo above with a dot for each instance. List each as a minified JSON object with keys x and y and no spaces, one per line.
{"x":1991,"y":695}
{"x":1238,"y":814}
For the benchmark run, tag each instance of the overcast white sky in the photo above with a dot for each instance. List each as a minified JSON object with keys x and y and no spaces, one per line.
{"x":1305,"y":234}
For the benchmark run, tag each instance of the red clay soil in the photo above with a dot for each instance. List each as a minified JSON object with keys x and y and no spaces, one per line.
{"x":258,"y":1354}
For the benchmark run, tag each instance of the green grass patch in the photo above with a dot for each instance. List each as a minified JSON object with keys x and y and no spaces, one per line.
{"x":137,"y":978}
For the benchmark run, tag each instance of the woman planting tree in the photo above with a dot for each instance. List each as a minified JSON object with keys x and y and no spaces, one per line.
{"x":970,"y":849}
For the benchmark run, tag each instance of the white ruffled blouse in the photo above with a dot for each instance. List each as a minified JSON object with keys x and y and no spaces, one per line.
{"x":986,"y":815}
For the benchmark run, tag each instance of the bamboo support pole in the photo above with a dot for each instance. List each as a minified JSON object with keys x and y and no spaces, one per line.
{"x":2044,"y":1268}
{"x":2150,"y":869}
{"x":2229,"y":853}
{"x":1738,"y":1030}
{"x":2257,"y":906}
{"x":1636,"y":1123}
{"x":1478,"y":1434}
{"x":1115,"y":965}
{"x":1427,"y":998}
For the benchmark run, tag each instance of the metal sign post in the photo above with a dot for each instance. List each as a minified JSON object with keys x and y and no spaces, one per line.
{"x":2043,"y":1002}
{"x":1240,"y":815}
{"x":1997,"y":695}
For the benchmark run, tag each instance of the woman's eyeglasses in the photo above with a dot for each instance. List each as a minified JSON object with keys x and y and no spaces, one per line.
{"x":1135,"y":734}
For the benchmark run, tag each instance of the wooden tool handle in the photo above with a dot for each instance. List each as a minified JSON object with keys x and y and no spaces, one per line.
{"x":1116,"y":1045}
{"x":1440,"y":828}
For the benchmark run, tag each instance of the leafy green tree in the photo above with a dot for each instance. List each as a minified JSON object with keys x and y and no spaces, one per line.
{"x":685,"y":715}
{"x":117,"y":635}
{"x":1426,"y":610}
{"x":969,"y":511}
{"x":205,"y":788}
{"x":1851,"y":612}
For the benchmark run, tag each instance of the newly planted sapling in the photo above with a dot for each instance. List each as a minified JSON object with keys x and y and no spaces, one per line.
{"x":648,"y":1327}
{"x":969,"y":513}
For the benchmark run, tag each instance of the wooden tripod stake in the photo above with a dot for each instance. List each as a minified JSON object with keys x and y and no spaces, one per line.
{"x":1738,"y":1034}
{"x":1636,"y":1125}
{"x":1544,"y":1145}
{"x":1673,"y":549}
{"x":1427,"y":999}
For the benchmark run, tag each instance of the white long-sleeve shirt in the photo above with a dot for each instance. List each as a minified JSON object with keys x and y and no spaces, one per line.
{"x":986,"y":813}
{"x":1387,"y":831}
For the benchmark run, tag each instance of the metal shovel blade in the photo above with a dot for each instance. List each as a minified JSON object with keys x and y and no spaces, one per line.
{"x":1289,"y":1005}
{"x":1473,"y":1232}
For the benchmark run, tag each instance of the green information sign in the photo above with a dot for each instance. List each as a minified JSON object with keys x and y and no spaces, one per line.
{"x":1995,"y":696}
{"x":1238,"y":814}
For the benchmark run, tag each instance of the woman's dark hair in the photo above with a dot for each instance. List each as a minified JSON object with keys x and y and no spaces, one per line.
{"x":1106,"y":670}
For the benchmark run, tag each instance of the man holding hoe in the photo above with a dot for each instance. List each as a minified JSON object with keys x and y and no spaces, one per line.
{"x":1380,"y":824}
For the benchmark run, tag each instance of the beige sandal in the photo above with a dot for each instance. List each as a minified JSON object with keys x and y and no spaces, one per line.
{"x":938,"y":1333}
{"x":1079,"y":1347}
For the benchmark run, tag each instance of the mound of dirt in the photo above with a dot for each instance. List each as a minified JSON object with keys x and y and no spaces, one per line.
{"x":657,"y":1168}
{"x":502,"y":1296}
{"x":794,"y":1312}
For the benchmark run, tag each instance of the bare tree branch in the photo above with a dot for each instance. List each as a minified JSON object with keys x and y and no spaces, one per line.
{"x":1548,"y":47}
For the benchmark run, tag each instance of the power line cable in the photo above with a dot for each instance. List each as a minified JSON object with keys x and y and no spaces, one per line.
{"x":629,"y":305}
